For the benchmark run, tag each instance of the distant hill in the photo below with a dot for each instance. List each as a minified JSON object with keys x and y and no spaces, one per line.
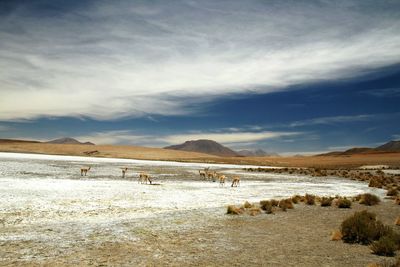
{"x":255,"y":153}
{"x":68,"y":140}
{"x":205,"y":146}
{"x":392,"y":146}
{"x":17,"y":141}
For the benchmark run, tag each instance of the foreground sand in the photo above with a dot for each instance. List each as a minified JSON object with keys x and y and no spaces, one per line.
{"x":146,"y":153}
{"x":299,"y":237}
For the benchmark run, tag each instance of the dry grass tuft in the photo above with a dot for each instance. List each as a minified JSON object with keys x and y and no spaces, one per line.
{"x":254,"y":211}
{"x":248,"y":205}
{"x":336,"y":235}
{"x":234,"y":210}
{"x":369,"y":199}
{"x":392,"y":192}
{"x":343,"y":203}
{"x":309,"y":199}
{"x":267,"y":206}
{"x":296,"y":199}
{"x":326,"y":201}
{"x":397,"y":222}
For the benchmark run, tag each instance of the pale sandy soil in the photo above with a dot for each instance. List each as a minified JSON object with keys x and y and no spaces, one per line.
{"x":133,"y":152}
{"x":299,"y":237}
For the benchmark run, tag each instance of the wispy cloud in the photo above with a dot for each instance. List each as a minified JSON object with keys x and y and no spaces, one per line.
{"x":111,"y":60}
{"x":130,"y":137}
{"x":121,"y":137}
{"x":333,"y":119}
{"x":386,"y":92}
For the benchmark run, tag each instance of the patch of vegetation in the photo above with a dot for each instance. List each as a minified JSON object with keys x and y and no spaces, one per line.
{"x":326,"y":201}
{"x":343,"y":203}
{"x":385,"y":246}
{"x":392,"y":192}
{"x":369,"y":199}
{"x":267,"y":206}
{"x":310,"y":199}
{"x":234,"y":210}
{"x":363,"y":227}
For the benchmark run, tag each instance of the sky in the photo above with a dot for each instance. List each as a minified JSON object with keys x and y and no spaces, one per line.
{"x":292,"y":77}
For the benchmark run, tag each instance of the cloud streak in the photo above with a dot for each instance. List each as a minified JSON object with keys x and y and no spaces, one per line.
{"x":125,"y":59}
{"x":130,"y":137}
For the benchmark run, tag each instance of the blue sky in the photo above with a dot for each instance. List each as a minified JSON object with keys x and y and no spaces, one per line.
{"x":286,"y":76}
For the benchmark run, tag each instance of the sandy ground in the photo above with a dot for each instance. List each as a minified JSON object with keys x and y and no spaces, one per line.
{"x":133,"y":152}
{"x":299,"y":237}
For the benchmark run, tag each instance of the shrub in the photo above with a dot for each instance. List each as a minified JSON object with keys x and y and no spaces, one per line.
{"x":274,"y":202}
{"x":296,"y":199}
{"x":359,"y":228}
{"x":369,"y":199}
{"x":267,"y":206}
{"x":285,"y":204}
{"x":254,"y":211}
{"x":343,"y":203}
{"x":385,"y":246}
{"x":310,"y":199}
{"x":392,"y":192}
{"x":234,"y":210}
{"x":326,"y":202}
{"x":362,"y":227}
{"x":247,"y":205}
{"x":375,"y":182}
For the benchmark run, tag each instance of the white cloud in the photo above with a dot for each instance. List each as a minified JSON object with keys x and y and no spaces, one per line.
{"x":333,"y":119}
{"x":124,"y":59}
{"x":129,"y":137}
{"x":116,"y":137}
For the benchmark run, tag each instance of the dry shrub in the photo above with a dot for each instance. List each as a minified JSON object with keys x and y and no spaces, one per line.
{"x":343,"y":203}
{"x":375,"y":182}
{"x":274,"y":202}
{"x":296,"y":199}
{"x":397,"y":222}
{"x":326,"y":201}
{"x":234,"y":210}
{"x":247,"y":205}
{"x":310,"y":199}
{"x":336,"y":235}
{"x":267,"y":206}
{"x":397,"y":200}
{"x":392,"y":192}
{"x":385,"y":246}
{"x":254,"y":211}
{"x":285,"y":204}
{"x":362,"y":227}
{"x":369,"y":199}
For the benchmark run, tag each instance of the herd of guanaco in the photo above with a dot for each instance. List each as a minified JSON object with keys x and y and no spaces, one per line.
{"x":206,"y":174}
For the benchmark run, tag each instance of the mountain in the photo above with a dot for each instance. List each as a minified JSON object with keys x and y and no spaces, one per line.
{"x":392,"y":146}
{"x":205,"y":146}
{"x":68,"y":140}
{"x":17,"y":141}
{"x":255,"y":153}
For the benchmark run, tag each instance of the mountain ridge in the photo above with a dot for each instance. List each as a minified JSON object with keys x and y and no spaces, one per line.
{"x":205,"y":146}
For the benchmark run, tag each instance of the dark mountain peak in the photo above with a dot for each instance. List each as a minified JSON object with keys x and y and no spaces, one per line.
{"x":68,"y":140}
{"x":389,"y":146}
{"x":205,"y":146}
